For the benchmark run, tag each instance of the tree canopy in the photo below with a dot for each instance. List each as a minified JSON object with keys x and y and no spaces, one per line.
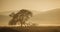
{"x":22,"y":16}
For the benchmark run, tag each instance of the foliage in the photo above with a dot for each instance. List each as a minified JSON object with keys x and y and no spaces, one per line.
{"x":22,"y":16}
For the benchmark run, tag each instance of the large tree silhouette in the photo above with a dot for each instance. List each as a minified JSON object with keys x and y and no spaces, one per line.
{"x":22,"y":16}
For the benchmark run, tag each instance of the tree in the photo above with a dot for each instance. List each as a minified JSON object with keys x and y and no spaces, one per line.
{"x":22,"y":16}
{"x":13,"y":21}
{"x":34,"y":24}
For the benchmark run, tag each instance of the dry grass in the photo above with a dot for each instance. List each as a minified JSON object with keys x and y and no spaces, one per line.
{"x":31,"y":29}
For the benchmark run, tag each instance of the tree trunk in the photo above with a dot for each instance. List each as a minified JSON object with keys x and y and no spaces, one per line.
{"x":21,"y":24}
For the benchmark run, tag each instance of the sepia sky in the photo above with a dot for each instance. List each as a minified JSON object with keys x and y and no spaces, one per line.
{"x":37,"y":5}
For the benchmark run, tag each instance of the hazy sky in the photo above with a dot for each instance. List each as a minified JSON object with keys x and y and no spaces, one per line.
{"x":37,"y":5}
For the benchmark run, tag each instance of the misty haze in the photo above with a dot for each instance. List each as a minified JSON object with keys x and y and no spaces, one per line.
{"x":29,"y":15}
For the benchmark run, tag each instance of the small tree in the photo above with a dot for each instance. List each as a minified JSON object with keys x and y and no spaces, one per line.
{"x":14,"y":19}
{"x":22,"y":16}
{"x":34,"y":24}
